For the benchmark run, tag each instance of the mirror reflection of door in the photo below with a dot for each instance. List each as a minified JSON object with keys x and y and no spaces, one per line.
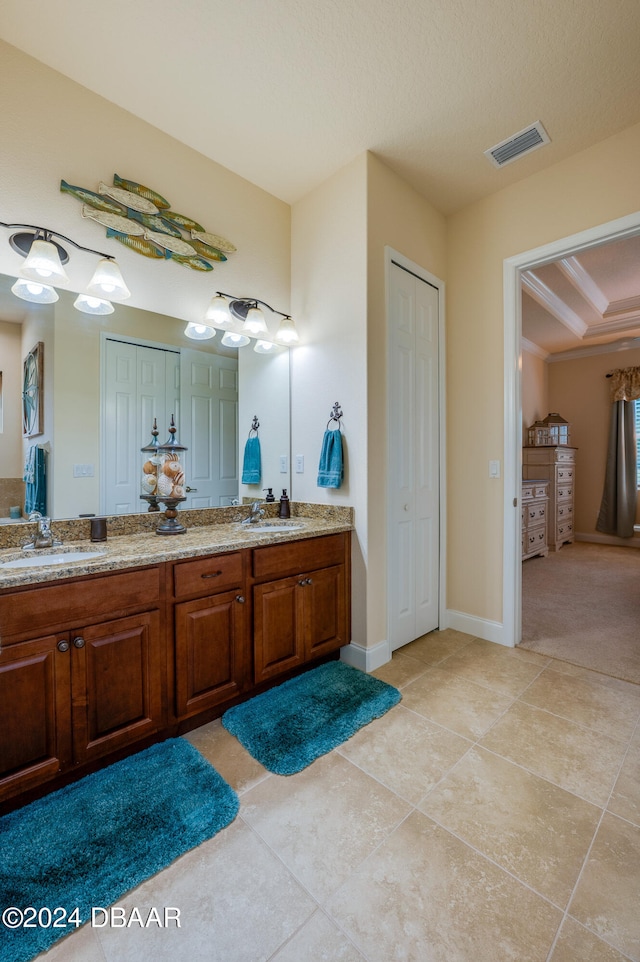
{"x":143,"y":383}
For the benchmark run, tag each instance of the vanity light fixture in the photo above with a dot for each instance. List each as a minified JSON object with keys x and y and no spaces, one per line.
{"x":225,"y":307}
{"x":199,"y":332}
{"x":43,"y":270}
{"x":265,"y":347}
{"x":231,"y":339}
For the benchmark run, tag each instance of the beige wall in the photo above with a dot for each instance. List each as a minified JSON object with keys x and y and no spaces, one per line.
{"x":590,"y":188}
{"x":73,"y":134}
{"x":535,"y":398}
{"x":579,"y":391}
{"x":11,"y":462}
{"x":329,"y":299}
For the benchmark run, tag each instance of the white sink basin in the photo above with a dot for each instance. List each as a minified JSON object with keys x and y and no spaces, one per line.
{"x":42,"y":558}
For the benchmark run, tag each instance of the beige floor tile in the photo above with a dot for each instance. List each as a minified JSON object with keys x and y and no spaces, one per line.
{"x":618,"y":684}
{"x":425,"y":896}
{"x":401,"y":670}
{"x":595,"y":706}
{"x":573,"y":757}
{"x":81,"y":946}
{"x":404,"y":751}
{"x":450,"y":700}
{"x":577,"y":944}
{"x":319,"y":940}
{"x":238,"y":768}
{"x":502,"y":669}
{"x":237,"y":904}
{"x":530,"y":827}
{"x":625,"y":800}
{"x":323,"y":821}
{"x":607,"y":898}
{"x":437,"y":645}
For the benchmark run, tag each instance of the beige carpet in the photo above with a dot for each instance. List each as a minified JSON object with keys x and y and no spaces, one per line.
{"x":582,"y":605}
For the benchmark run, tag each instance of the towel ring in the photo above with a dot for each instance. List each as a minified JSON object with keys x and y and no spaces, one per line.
{"x":335,"y":415}
{"x":255,"y":424}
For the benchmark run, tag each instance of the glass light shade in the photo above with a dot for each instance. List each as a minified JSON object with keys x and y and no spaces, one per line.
{"x":34,"y":292}
{"x":92,"y":305}
{"x":265,"y":347}
{"x":199,"y":332}
{"x":43,"y":263}
{"x":287,"y":333}
{"x":107,"y":281}
{"x":218,"y":311}
{"x":255,"y":322}
{"x":231,"y":339}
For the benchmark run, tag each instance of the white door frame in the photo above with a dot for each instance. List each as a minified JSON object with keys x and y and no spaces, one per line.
{"x":392,"y":255}
{"x":628,"y":226}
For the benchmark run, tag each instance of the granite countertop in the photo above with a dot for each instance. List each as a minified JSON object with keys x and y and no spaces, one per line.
{"x":147,"y":548}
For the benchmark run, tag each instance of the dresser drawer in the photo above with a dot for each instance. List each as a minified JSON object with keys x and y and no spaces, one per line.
{"x":536,"y":538}
{"x":564,"y":531}
{"x":569,"y":455}
{"x":564,"y":512}
{"x":564,"y":473}
{"x":564,"y":492}
{"x":206,"y":576}
{"x":536,"y":512}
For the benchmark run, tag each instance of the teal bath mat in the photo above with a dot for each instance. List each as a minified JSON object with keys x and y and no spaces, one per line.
{"x":89,"y":843}
{"x":287,"y":727}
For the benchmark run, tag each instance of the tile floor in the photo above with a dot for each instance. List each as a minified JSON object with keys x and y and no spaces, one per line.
{"x":492,"y":816}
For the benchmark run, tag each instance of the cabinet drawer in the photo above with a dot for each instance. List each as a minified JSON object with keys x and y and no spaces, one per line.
{"x":536,"y":538}
{"x":564,"y":531}
{"x":569,"y":455}
{"x":564,"y":492}
{"x":564,"y":473}
{"x":80,"y":602}
{"x":564,"y":512}
{"x":294,"y":557}
{"x":206,"y":576}
{"x":536,"y":512}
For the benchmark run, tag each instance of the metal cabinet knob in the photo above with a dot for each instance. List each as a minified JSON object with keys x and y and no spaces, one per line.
{"x":78,"y":642}
{"x":302,"y":583}
{"x":309,"y":581}
{"x":240,"y":599}
{"x":63,"y":646}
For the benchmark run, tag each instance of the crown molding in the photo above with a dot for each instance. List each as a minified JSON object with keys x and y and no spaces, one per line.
{"x":583,"y":283}
{"x":545,"y":297}
{"x":532,"y":348}
{"x":613,"y":347}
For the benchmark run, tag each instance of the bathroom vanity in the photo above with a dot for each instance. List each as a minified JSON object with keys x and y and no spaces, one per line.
{"x":156,"y":636}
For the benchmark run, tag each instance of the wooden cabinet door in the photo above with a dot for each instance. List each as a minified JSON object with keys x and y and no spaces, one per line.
{"x":278,"y":618}
{"x":325,"y":611}
{"x":35,"y":713}
{"x":116,"y":684}
{"x":211,"y":651}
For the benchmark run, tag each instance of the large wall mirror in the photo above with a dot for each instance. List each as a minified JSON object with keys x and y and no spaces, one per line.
{"x":103,"y":382}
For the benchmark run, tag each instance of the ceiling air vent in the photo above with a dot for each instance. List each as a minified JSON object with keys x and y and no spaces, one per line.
{"x":519,"y":144}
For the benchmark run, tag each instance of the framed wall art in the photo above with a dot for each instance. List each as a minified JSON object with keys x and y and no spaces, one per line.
{"x":33,"y":392}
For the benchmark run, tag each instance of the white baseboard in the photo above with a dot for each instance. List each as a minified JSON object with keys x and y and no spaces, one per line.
{"x":609,"y":539}
{"x":479,"y":627}
{"x":366,"y":659}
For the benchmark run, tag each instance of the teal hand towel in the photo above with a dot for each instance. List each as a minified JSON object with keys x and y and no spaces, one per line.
{"x":35,"y":492}
{"x":331,"y":467}
{"x":251,"y":467}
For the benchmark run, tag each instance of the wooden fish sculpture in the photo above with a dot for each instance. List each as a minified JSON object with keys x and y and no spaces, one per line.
{"x":154,"y":222}
{"x":142,"y":191}
{"x":211,"y":252}
{"x":214,"y":240}
{"x":185,"y":223}
{"x":195,"y":263}
{"x":118,"y":222}
{"x":174,"y":244}
{"x":91,"y":198}
{"x":139,"y":244}
{"x":128,"y":198}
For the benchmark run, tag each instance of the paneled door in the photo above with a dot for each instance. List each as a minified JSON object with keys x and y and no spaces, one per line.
{"x":141,"y":383}
{"x":414,"y":466}
{"x":209,"y":427}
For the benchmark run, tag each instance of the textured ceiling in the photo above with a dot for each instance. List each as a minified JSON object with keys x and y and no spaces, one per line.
{"x":285,"y":92}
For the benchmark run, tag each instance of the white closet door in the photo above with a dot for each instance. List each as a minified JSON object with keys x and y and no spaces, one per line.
{"x":209,"y":427}
{"x":414,"y":458}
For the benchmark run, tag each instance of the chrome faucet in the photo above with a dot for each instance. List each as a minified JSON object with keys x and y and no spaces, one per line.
{"x":44,"y":536}
{"x":255,"y":513}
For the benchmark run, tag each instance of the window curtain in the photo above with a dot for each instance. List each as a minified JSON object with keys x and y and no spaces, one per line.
{"x":618,"y":507}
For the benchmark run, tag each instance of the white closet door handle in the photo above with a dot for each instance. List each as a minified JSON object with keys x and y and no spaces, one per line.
{"x":406,"y":507}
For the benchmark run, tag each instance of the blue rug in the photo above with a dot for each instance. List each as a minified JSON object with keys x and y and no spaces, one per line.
{"x":89,"y":843}
{"x":289,"y":726}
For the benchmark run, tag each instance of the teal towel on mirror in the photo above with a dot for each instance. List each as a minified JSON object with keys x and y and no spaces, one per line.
{"x":35,"y":477}
{"x":251,"y":467}
{"x":331,"y":467}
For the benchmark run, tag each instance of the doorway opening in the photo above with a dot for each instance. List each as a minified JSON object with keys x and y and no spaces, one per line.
{"x":514,"y":270}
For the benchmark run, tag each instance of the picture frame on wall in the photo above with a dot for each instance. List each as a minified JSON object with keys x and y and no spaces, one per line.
{"x":32,"y":392}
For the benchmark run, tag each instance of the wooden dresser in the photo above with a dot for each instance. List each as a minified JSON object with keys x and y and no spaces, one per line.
{"x":557,"y":465}
{"x":535,"y":501}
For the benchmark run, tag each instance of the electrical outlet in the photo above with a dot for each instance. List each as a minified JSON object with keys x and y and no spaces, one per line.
{"x":284,"y":464}
{"x":299,"y":463}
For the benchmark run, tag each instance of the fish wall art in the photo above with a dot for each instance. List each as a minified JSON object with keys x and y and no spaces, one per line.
{"x":143,"y":221}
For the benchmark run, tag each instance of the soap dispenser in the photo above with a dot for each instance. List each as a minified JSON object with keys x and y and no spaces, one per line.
{"x":270,"y":495}
{"x":285,"y":511}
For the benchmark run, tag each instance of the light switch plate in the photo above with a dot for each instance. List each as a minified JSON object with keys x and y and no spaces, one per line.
{"x":494,"y":469}
{"x":299,"y":463}
{"x":284,"y":464}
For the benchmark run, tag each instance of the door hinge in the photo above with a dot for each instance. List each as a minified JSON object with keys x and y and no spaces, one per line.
{"x":515,"y":502}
